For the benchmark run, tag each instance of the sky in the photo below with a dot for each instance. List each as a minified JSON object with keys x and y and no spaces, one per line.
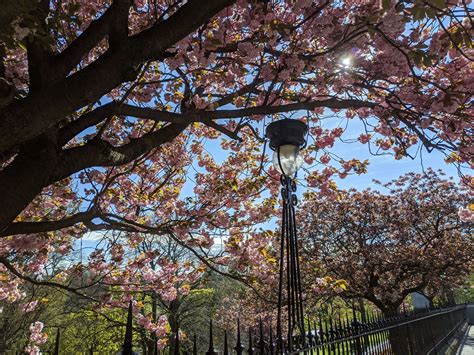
{"x":383,"y":167}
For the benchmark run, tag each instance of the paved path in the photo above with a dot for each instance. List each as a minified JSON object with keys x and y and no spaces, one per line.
{"x":467,"y":347}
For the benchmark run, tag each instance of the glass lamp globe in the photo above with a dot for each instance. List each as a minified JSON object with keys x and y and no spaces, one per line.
{"x":286,"y":138}
{"x":290,"y":159}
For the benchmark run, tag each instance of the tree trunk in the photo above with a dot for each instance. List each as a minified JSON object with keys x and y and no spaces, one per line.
{"x":362,"y":310}
{"x":3,"y":340}
{"x":151,"y":344}
{"x":173,"y":320}
{"x":451,"y":300}
{"x":24,"y":178}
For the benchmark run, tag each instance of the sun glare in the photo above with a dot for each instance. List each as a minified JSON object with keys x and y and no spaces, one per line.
{"x":346,"y":61}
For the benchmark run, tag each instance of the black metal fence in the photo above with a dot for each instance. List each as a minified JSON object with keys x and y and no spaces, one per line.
{"x":406,"y":333}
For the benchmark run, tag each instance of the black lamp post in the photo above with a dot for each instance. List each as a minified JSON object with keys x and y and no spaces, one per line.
{"x":287,"y":138}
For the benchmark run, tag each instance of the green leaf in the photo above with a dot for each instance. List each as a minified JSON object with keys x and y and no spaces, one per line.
{"x":22,"y":46}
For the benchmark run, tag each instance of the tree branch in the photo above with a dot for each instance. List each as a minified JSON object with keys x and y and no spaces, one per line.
{"x":101,"y":153}
{"x":15,"y":272}
{"x":69,"y":58}
{"x":47,"y":226}
{"x":27,"y":118}
{"x":308,"y":105}
{"x":119,"y":27}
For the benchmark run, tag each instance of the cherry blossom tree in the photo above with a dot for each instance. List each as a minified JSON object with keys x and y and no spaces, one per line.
{"x":108,"y":109}
{"x":387,"y":244}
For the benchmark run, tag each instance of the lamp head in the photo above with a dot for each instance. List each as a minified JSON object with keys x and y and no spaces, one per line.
{"x":286,"y":131}
{"x":287,"y":137}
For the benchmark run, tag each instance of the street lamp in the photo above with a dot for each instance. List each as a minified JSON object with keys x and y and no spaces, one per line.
{"x":287,"y":138}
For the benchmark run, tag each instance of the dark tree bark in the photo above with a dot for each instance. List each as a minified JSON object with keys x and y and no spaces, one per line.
{"x":28,"y":126}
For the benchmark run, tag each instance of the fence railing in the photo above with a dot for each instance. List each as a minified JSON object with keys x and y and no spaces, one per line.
{"x":406,"y":333}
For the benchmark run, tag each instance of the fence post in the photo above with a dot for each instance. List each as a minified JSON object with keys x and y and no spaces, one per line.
{"x":226,"y":346}
{"x":355,"y":324}
{"x":239,"y":347}
{"x":176,"y":343}
{"x":56,"y":345}
{"x":261,"y":342}
{"x":127,"y":344}
{"x":211,"y":350}
{"x":272,"y":344}
{"x":251,"y":348}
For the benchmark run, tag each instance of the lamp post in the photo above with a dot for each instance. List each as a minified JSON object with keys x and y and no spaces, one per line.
{"x":287,"y":138}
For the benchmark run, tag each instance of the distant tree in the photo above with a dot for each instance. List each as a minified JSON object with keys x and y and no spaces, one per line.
{"x":387,"y":244}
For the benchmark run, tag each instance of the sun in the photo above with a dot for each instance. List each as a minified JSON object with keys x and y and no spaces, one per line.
{"x":346,"y":61}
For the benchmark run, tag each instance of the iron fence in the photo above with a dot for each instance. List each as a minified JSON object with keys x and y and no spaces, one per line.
{"x":405,"y":333}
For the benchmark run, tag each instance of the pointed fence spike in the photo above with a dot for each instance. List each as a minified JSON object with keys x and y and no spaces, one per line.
{"x":211,"y":350}
{"x":239,"y":347}
{"x":176,"y":343}
{"x":127,"y":344}
{"x":250,"y":349}
{"x":316,"y":334}
{"x":91,"y":350}
{"x":272,"y":345}
{"x":226,"y":346}
{"x":321,"y":332}
{"x":310,"y":335}
{"x":56,"y":345}
{"x":338,"y":328}
{"x":195,"y":351}
{"x":327,"y":332}
{"x":261,"y":341}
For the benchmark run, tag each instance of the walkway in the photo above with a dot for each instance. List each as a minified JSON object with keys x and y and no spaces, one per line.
{"x":467,"y":347}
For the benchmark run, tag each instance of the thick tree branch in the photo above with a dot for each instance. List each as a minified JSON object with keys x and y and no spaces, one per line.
{"x":27,"y":118}
{"x":101,"y":153}
{"x":24,"y":178}
{"x":114,"y":108}
{"x":119,"y":28}
{"x":68,"y":59}
{"x":47,"y":226}
{"x":308,"y":105}
{"x":85,"y":121}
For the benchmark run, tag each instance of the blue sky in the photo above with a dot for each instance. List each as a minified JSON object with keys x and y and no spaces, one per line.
{"x":383,"y":168}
